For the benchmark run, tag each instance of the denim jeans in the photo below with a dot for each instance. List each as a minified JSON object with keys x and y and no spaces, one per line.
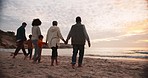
{"x":38,"y":58}
{"x":36,"y":49}
{"x":77,"y":48}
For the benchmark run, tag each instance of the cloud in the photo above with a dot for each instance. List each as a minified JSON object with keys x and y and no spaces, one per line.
{"x":135,"y":35}
{"x":142,"y":41}
{"x":137,"y":27}
{"x":107,"y":21}
{"x":105,"y":40}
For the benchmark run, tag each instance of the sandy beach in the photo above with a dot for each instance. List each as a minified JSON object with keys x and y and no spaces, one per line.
{"x":92,"y":68}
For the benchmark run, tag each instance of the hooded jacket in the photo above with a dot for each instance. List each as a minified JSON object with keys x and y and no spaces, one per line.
{"x":53,"y":36}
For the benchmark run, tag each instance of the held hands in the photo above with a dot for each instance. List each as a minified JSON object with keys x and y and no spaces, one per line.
{"x":45,"y":43}
{"x":65,"y":42}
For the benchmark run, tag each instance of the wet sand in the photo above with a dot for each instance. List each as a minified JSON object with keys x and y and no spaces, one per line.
{"x":92,"y":68}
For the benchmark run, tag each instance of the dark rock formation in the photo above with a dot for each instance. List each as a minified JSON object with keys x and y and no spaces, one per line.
{"x":8,"y":40}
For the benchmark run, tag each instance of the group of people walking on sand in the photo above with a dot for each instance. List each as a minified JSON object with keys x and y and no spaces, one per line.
{"x":77,"y":34}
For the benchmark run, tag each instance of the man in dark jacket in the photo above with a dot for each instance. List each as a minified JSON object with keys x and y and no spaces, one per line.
{"x":20,"y":37}
{"x":78,"y":37}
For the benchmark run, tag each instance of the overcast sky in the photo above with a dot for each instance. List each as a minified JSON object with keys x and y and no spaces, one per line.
{"x":109,"y":23}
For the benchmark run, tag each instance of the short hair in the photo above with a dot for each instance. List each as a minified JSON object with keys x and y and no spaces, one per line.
{"x":40,"y":36}
{"x":24,"y":23}
{"x":30,"y":36}
{"x":55,"y":23}
{"x":36,"y":22}
{"x":78,"y":19}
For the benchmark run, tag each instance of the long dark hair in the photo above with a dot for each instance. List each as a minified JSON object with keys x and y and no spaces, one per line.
{"x":36,"y":22}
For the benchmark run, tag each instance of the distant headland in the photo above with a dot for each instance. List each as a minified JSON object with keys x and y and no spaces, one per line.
{"x":8,"y":40}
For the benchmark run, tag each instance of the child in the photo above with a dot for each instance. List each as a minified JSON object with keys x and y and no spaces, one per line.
{"x":40,"y":44}
{"x":30,"y":46}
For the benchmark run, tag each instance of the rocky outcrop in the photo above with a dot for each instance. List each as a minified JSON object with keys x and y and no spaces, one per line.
{"x":8,"y":40}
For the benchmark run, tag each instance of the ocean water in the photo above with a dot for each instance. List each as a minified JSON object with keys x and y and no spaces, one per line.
{"x":102,"y":53}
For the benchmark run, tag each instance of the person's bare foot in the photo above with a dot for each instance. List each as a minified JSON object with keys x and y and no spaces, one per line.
{"x":34,"y":62}
{"x":25,"y":57}
{"x":13,"y":57}
{"x":73,"y":66}
{"x":79,"y":65}
{"x":11,"y":54}
{"x":57,"y":63}
{"x":39,"y":61}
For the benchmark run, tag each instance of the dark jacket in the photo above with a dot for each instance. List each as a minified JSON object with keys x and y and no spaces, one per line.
{"x":78,"y":34}
{"x":21,"y":34}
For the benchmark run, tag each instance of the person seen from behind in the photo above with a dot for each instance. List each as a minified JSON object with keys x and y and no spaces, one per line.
{"x":35,"y":34}
{"x":21,"y":38}
{"x":40,"y":45}
{"x":30,"y":47}
{"x":78,"y":37}
{"x":53,"y":38}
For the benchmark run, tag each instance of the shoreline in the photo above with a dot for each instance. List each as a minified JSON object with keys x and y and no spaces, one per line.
{"x":110,"y":57}
{"x":92,"y":68}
